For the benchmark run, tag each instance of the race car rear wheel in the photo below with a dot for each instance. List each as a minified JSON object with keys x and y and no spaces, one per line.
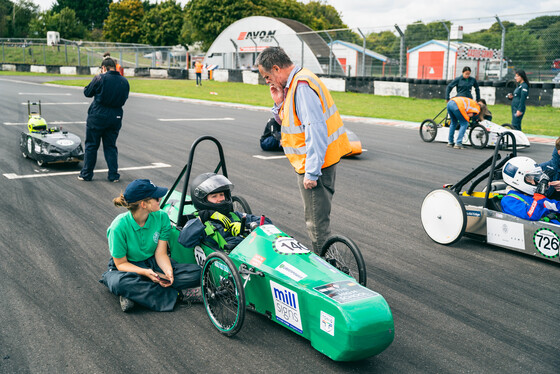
{"x":478,"y":136}
{"x":241,"y":205}
{"x":428,"y":130}
{"x":443,"y":216}
{"x":24,"y":155}
{"x":342,"y":253}
{"x":223,"y":294}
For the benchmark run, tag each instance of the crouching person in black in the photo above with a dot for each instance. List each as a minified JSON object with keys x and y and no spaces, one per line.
{"x":270,"y":139}
{"x":216,"y":223}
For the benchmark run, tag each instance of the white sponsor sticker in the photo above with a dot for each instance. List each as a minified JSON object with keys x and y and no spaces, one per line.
{"x":546,"y":241}
{"x":64,"y":142}
{"x":270,"y":230}
{"x":291,"y":271}
{"x":199,"y":255}
{"x":286,"y":306}
{"x":327,"y":323}
{"x":289,"y":246}
{"x":505,"y":233}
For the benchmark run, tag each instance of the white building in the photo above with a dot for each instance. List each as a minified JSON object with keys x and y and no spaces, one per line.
{"x":240,"y":43}
{"x":429,"y":60}
{"x":351,"y":58}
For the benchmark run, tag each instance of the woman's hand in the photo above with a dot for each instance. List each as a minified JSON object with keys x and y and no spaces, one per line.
{"x":555,"y":184}
{"x":518,"y":113}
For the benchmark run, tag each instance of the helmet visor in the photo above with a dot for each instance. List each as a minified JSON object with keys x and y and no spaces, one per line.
{"x":533,"y":177}
{"x":211,"y":184}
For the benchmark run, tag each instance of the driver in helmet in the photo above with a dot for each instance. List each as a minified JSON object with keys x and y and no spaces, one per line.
{"x":527,"y":185}
{"x":216,"y":222}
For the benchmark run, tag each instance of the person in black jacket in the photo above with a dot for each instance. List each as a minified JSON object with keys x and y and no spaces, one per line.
{"x":109,"y":91}
{"x":518,"y":98}
{"x":464,"y":85}
{"x":270,"y":139}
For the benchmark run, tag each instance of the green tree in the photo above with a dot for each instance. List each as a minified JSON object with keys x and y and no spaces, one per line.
{"x":419,"y":33}
{"x":384,"y":42}
{"x":550,"y":38}
{"x":206,"y":19}
{"x":162,"y":24}
{"x":124,"y":22}
{"x":91,"y":13}
{"x":64,"y":22}
{"x":15,"y":17}
{"x":523,"y":48}
{"x":5,"y":8}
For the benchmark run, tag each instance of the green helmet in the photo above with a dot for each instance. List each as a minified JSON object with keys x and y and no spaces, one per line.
{"x":36,"y":123}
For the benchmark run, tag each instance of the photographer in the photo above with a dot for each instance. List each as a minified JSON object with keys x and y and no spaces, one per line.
{"x":110,"y":92}
{"x":527,"y":185}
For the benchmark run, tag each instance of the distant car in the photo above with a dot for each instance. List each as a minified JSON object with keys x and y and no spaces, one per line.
{"x":556,"y":79}
{"x":48,"y":144}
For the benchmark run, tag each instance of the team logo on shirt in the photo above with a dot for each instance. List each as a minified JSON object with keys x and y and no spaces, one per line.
{"x":156,"y":237}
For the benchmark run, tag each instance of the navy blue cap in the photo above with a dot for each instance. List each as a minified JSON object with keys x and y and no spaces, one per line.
{"x":141,"y":189}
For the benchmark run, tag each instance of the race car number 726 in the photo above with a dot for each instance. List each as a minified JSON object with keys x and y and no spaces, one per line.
{"x":547,"y":242}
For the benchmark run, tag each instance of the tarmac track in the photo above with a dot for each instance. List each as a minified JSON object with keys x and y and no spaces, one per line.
{"x":465,"y":308}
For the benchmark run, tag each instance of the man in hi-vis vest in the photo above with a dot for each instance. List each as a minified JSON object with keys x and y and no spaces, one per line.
{"x":313,"y":135}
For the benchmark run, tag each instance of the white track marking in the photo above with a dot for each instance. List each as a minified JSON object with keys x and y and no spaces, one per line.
{"x":154,"y":165}
{"x":268,"y":157}
{"x":70,"y":103}
{"x":195,"y":119}
{"x":44,"y":94}
{"x":50,"y":123}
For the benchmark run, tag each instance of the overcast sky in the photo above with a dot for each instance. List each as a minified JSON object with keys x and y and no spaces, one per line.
{"x":473,"y":15}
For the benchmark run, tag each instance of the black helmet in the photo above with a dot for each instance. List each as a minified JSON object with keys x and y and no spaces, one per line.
{"x":209,"y":183}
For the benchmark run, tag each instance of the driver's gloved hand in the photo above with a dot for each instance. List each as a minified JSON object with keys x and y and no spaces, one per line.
{"x":235,"y":228}
{"x":550,"y":206}
{"x":219,"y":217}
{"x":204,"y":215}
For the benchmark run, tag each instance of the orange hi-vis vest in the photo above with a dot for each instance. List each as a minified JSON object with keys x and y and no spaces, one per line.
{"x":198,"y":67}
{"x":293,"y":133}
{"x":466,"y":105}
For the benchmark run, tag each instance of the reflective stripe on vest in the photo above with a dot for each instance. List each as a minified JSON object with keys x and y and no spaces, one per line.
{"x":469,"y":105}
{"x":293,"y":133}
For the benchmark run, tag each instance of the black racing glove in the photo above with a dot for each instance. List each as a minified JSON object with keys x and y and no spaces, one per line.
{"x":204,"y":215}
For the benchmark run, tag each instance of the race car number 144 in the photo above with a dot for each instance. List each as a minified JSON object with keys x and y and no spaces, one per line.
{"x":289,"y":246}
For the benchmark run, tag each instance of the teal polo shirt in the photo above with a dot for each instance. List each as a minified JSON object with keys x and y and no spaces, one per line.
{"x":127,"y":238}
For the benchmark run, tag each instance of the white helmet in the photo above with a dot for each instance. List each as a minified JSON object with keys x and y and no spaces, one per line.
{"x":523,"y":174}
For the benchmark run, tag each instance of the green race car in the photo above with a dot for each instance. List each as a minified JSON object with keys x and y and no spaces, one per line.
{"x":322,"y":298}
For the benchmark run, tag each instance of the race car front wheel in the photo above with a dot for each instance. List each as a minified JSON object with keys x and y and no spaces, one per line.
{"x":241,"y":205}
{"x":223,"y":293}
{"x":478,"y":136}
{"x":443,"y":216}
{"x":342,"y":253}
{"x":428,"y":130}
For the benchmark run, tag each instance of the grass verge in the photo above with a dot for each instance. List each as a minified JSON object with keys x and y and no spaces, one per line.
{"x":537,"y":120}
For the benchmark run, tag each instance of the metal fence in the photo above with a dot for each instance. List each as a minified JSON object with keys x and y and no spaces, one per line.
{"x":80,"y":53}
{"x":533,"y":44}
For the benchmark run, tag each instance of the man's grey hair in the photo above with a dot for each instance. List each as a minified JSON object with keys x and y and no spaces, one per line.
{"x":273,"y":56}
